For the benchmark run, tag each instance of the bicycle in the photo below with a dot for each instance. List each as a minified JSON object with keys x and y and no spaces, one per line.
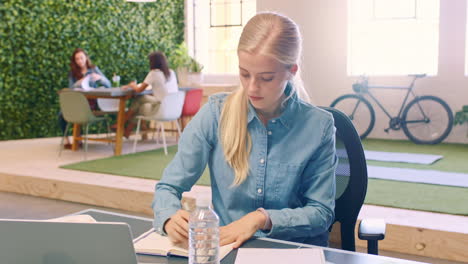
{"x":425,"y":119}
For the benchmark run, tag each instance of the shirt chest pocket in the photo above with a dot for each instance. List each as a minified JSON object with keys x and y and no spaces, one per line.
{"x":284,"y":180}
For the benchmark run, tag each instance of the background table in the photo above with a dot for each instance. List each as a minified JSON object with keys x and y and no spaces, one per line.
{"x":112,"y":93}
{"x":139,"y":225}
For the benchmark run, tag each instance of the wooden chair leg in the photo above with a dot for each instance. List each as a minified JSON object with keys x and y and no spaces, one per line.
{"x":178,"y":130}
{"x":172,"y":129}
{"x":144,"y":130}
{"x":182,"y":122}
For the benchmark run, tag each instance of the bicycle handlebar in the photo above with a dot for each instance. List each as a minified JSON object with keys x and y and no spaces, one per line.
{"x":362,"y":84}
{"x":417,"y":75}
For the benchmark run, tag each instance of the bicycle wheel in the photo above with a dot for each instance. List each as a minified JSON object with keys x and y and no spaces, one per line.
{"x":427,"y":120}
{"x":359,"y":110}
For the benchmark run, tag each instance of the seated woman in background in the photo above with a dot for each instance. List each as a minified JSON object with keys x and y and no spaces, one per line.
{"x":161,"y":79}
{"x":82,"y":70}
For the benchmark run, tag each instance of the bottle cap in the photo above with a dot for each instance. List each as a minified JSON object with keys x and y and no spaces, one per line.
{"x":203,"y":201}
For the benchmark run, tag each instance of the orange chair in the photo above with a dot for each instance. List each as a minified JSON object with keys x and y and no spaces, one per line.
{"x":191,"y":106}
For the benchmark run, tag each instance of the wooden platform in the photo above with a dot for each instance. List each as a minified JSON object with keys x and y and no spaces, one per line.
{"x":31,"y":167}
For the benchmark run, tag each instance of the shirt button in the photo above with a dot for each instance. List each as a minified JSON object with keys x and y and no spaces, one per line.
{"x":262,"y":161}
{"x":259,"y":190}
{"x":269,"y":133}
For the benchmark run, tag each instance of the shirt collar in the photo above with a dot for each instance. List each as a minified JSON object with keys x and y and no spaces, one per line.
{"x":251,"y":114}
{"x":287,"y":115}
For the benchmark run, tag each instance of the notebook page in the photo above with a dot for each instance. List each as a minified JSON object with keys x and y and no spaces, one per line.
{"x":154,"y":243}
{"x":84,"y":218}
{"x":151,"y":242}
{"x":85,"y":83}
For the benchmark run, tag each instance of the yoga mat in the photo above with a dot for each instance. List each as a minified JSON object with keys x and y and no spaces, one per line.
{"x":401,"y":157}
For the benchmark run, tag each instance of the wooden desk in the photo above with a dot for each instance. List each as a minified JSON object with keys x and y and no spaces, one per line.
{"x":113,"y":93}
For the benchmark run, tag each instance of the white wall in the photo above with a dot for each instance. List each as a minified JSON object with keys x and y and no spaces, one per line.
{"x":323,"y":24}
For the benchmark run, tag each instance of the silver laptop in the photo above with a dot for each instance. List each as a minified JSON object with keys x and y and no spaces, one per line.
{"x":38,"y":242}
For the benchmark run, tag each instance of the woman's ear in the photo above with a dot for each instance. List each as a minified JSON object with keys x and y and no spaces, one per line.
{"x":293,"y":69}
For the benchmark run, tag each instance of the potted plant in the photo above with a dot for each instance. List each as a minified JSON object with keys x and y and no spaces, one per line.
{"x":179,"y":61}
{"x":195,"y":72}
{"x":188,"y":69}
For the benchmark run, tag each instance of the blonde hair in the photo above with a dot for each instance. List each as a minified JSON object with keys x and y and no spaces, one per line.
{"x":269,"y":34}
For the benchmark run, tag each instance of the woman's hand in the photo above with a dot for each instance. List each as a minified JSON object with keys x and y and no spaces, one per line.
{"x":95,"y":77}
{"x":177,"y":228}
{"x":241,"y":230}
{"x":126,"y":87}
{"x":131,"y":86}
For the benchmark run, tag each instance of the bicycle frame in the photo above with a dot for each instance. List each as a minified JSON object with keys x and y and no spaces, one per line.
{"x":410,"y":91}
{"x":421,"y":124}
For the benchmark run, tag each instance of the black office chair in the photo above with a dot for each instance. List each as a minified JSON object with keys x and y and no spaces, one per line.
{"x":351,"y":187}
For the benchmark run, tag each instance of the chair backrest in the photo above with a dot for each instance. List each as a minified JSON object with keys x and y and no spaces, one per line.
{"x":108,"y":105}
{"x":171,"y":107}
{"x":75,"y":107}
{"x":192,"y":102}
{"x":351,"y":177}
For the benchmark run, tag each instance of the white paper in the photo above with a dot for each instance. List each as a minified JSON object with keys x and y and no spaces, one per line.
{"x":84,"y":218}
{"x":280,"y":255}
{"x":85,"y":83}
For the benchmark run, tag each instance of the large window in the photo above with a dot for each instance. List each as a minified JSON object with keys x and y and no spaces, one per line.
{"x":217,"y":25}
{"x":466,"y":42}
{"x":393,"y":37}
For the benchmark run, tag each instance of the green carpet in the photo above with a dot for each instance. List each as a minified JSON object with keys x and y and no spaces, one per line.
{"x":148,"y":165}
{"x":416,"y":196}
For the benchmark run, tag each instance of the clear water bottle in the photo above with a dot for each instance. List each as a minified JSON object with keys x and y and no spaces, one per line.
{"x":203,"y":234}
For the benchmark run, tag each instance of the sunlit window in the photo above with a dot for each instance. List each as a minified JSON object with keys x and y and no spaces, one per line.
{"x":217,"y":25}
{"x":466,"y":44}
{"x":393,"y":37}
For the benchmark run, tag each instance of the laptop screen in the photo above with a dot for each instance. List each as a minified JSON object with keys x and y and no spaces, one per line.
{"x":29,"y":241}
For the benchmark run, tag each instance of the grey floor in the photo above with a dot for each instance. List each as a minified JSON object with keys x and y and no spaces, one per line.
{"x":17,"y":206}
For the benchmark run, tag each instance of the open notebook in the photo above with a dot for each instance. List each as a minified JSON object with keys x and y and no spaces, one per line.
{"x":152,"y":243}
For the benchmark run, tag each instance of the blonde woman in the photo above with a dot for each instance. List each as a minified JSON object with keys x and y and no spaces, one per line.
{"x":271,"y":154}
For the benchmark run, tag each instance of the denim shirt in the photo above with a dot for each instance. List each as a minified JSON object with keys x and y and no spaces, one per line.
{"x":74,"y":83}
{"x":292,"y":171}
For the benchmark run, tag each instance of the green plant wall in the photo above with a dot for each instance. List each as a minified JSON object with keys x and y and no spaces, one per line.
{"x":38,"y":37}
